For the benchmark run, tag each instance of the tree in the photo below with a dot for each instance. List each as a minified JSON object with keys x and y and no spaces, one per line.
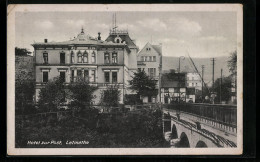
{"x":24,"y":91}
{"x":110,"y":96}
{"x":81,"y":93}
{"x":232,"y":63}
{"x":52,"y":95}
{"x":225,"y":88}
{"x":21,"y":51}
{"x":143,"y":84}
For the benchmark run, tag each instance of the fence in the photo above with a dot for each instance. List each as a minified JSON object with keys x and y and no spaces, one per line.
{"x":222,"y":114}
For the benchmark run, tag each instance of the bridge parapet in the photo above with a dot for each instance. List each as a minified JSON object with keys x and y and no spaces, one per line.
{"x":221,"y":115}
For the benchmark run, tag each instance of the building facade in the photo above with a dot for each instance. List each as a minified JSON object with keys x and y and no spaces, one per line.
{"x":101,"y":63}
{"x":193,"y":81}
{"x":173,"y":88}
{"x":149,"y":59}
{"x":194,"y":84}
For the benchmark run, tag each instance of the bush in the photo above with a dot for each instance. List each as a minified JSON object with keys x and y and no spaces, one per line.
{"x":132,"y":99}
{"x":110,"y":96}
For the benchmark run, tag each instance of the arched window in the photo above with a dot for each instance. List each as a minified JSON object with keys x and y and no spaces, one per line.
{"x":93,"y":57}
{"x":85,"y":57}
{"x":79,"y":57}
{"x":72,"y":57}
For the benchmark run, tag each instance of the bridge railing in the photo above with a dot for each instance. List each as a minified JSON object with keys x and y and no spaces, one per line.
{"x":223,"y":114}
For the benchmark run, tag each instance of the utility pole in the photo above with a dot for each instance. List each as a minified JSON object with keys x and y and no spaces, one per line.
{"x":213,"y":64}
{"x":202,"y":83}
{"x":220,"y":95}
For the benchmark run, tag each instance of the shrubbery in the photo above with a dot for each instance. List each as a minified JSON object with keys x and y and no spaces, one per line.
{"x":140,"y":129}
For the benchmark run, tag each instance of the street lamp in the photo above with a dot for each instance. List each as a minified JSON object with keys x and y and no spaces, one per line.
{"x":183,"y":58}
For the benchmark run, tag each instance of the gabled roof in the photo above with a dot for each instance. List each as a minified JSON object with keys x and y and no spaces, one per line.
{"x":171,"y":80}
{"x":157,"y":48}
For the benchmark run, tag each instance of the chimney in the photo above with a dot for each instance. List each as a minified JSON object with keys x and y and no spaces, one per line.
{"x":45,"y":40}
{"x":99,"y":37}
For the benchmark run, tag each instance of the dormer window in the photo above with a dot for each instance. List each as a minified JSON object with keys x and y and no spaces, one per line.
{"x":85,"y":57}
{"x":118,"y":39}
{"x":79,"y":57}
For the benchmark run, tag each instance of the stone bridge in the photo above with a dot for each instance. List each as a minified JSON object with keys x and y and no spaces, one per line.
{"x":183,"y":129}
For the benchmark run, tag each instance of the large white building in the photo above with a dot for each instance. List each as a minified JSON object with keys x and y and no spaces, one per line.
{"x":101,"y":63}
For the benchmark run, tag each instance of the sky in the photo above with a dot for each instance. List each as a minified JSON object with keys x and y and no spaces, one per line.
{"x":201,"y":34}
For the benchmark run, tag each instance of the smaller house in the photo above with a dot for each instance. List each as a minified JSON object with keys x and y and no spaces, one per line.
{"x":194,"y":84}
{"x":173,"y":88}
{"x":149,"y":59}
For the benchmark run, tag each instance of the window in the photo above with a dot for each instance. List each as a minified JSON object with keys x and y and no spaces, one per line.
{"x":45,"y":77}
{"x":79,"y":73}
{"x":150,"y":58}
{"x":142,"y":58}
{"x":151,"y":72}
{"x":62,"y":77}
{"x":154,"y":58}
{"x":147,"y":58}
{"x":85,"y":57}
{"x":114,"y":77}
{"x":93,"y":76}
{"x":192,"y":84}
{"x":72,"y":75}
{"x":93,"y":57}
{"x":86,"y":75}
{"x":139,"y":69}
{"x":62,"y":58}
{"x":79,"y":57}
{"x":107,"y":77}
{"x":106,"y":58}
{"x":45,"y":58}
{"x":72,"y":57}
{"x":114,"y":58}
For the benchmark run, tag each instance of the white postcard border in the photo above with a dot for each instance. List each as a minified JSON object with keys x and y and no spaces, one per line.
{"x":11,"y":150}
